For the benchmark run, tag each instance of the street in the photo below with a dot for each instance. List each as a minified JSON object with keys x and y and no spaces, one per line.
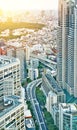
{"x":32,"y":97}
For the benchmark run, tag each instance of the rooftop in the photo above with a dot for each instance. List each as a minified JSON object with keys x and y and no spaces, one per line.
{"x":70,"y":98}
{"x":69,"y":108}
{"x":4,"y":60}
{"x":10,"y":103}
{"x":30,"y":124}
{"x":51,"y":93}
{"x":28,"y":114}
{"x":53,"y":83}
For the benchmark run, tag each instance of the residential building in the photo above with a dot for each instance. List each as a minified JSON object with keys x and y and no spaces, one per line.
{"x":55,"y":114}
{"x":67,"y":116}
{"x":51,"y":100}
{"x":50,"y":84}
{"x":9,"y":77}
{"x":33,"y":73}
{"x":12,"y":114}
{"x":67,"y":47}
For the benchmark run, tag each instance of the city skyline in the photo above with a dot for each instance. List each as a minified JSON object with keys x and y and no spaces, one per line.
{"x":38,"y":64}
{"x":30,"y":37}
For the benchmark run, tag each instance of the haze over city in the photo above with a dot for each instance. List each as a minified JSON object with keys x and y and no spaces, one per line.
{"x":28,"y":4}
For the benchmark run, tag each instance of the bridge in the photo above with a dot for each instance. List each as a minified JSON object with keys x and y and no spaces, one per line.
{"x":46,"y":62}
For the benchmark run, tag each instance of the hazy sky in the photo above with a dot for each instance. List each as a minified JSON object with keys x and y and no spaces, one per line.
{"x":28,"y":4}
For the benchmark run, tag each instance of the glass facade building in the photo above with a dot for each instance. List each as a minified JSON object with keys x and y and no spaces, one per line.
{"x":67,"y":46}
{"x":67,"y":117}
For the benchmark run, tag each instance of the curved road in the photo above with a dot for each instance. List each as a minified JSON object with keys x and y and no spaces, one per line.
{"x":32,"y":97}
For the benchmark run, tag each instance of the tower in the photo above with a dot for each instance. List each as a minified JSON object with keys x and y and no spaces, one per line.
{"x":67,"y":44}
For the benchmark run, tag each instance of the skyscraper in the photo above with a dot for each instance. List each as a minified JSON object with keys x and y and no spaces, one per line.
{"x":67,"y":46}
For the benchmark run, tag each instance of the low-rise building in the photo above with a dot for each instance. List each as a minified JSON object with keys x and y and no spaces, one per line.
{"x":30,"y":124}
{"x":28,"y":114}
{"x":50,"y":84}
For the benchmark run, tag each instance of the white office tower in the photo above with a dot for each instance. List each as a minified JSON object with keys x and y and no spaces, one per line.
{"x":67,"y":46}
{"x":33,"y":73}
{"x":51,"y":100}
{"x":9,"y":77}
{"x":67,"y":116}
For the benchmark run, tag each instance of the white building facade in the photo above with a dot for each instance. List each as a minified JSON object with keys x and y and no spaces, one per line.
{"x":9,"y":77}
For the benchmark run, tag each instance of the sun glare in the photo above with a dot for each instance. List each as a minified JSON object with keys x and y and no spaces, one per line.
{"x":9,"y":5}
{"x":13,"y":5}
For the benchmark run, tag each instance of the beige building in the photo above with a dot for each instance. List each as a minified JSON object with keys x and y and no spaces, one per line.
{"x":9,"y":77}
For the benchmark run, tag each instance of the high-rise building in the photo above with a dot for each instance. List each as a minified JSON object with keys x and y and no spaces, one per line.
{"x":11,"y":104}
{"x":28,"y":51}
{"x":12,"y":114}
{"x":33,"y":73}
{"x":9,"y":77}
{"x":55,"y":114}
{"x":67,"y":116}
{"x":19,"y":53}
{"x":67,"y":46}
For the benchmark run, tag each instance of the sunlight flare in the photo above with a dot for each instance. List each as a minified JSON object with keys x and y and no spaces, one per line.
{"x":27,"y":4}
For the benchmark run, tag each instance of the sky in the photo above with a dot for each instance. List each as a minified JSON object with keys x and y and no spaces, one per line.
{"x":28,"y":4}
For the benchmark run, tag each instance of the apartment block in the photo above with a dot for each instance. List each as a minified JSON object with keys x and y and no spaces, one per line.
{"x":9,"y":77}
{"x":50,"y":84}
{"x":12,"y":114}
